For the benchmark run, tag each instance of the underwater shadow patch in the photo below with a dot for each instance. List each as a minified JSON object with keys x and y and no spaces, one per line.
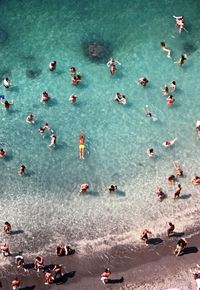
{"x":154,"y":241}
{"x":96,"y":49}
{"x":189,"y":48}
{"x":3,"y":35}
{"x":33,"y":73}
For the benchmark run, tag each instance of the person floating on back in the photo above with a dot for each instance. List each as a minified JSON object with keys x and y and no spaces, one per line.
{"x":81,"y":146}
{"x":112,"y":65}
{"x":166,"y":49}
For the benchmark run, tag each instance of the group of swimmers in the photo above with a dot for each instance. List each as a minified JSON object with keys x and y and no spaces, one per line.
{"x":75,"y":79}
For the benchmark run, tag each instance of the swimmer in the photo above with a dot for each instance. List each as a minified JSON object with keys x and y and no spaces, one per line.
{"x":166,"y":49}
{"x":161,"y":195}
{"x":53,"y":141}
{"x":149,"y":114}
{"x":39,"y":263}
{"x":30,"y":118}
{"x":112,"y":64}
{"x":169,"y":143}
{"x":7,"y":228}
{"x":173,"y":86}
{"x":143,"y":81}
{"x":46,"y":127}
{"x":179,"y":171}
{"x":165,"y":90}
{"x":170,"y":100}
{"x":6,"y":83}
{"x":177,"y":192}
{"x":170,"y":230}
{"x":150,"y":152}
{"x":72,"y":71}
{"x":41,"y":130}
{"x":84,"y":187}
{"x":196,"y":180}
{"x":2,"y":153}
{"x":5,"y":250}
{"x":76,"y":79}
{"x":44,"y":97}
{"x":180,"y":23}
{"x":21,"y":169}
{"x":15,"y":283}
{"x":52,"y":65}
{"x":144,"y":235}
{"x":73,"y":99}
{"x":6,"y":104}
{"x":197,"y":126}
{"x":181,"y":60}
{"x":81,"y":146}
{"x":112,"y":188}
{"x":171,"y":179}
{"x":121,"y":99}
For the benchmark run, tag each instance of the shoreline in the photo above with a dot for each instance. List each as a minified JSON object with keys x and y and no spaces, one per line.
{"x":155,"y":264}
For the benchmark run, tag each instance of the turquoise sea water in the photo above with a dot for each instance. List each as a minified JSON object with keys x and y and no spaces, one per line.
{"x":46,"y":203}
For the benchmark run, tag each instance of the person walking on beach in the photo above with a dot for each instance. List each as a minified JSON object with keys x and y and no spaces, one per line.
{"x":15,"y":284}
{"x":170,"y":230}
{"x":48,"y":277}
{"x":39,"y":263}
{"x":19,"y":260}
{"x":177,"y":192}
{"x":144,"y":235}
{"x":181,"y":245}
{"x":7,"y":228}
{"x":5,"y":250}
{"x":105,"y":276}
{"x":57,"y":271}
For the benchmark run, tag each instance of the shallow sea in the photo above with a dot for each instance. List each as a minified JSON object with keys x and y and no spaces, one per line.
{"x":45,"y":203}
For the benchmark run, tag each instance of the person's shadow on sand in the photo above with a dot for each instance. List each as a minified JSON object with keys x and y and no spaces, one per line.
{"x":115,"y":281}
{"x":28,"y":288}
{"x":64,"y":278}
{"x":154,"y":241}
{"x":190,"y":250}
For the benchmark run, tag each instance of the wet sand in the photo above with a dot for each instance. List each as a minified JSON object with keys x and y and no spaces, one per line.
{"x":148,"y":267}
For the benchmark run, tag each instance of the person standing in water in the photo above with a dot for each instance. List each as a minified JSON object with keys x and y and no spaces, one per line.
{"x":81,"y":146}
